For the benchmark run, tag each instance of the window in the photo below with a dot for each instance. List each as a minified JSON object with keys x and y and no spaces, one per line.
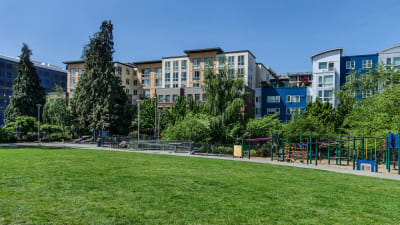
{"x":196,"y":64}
{"x":176,"y":65}
{"x":257,"y":99}
{"x":168,"y":98}
{"x":167,"y":86}
{"x":331,"y":66}
{"x":72,"y":72}
{"x":293,"y":98}
{"x":367,"y":93}
{"x":160,"y":98}
{"x":127,"y":81}
{"x":272,"y":111}
{"x":367,"y":64}
{"x":175,"y":76}
{"x":293,"y":111}
{"x":273,"y":99}
{"x":241,"y":60}
{"x":325,"y":81}
{"x":146,"y":73}
{"x":208,"y":62}
{"x":127,"y":91}
{"x":197,"y":97}
{"x":134,"y":92}
{"x":258,"y":111}
{"x":389,"y":61}
{"x":190,"y":96}
{"x":240,"y":72}
{"x":328,"y":81}
{"x":196,"y":85}
{"x":135,"y":82}
{"x":221,"y":61}
{"x":158,"y":72}
{"x":350,"y":65}
{"x":80,"y":71}
{"x":328,"y":95}
{"x":196,"y":75}
{"x":145,"y":93}
{"x":231,"y":72}
{"x":396,"y":61}
{"x":146,"y":83}
{"x":174,"y":85}
{"x":322,"y":65}
{"x":119,"y":70}
{"x":167,"y":77}
{"x":175,"y":97}
{"x":167,"y":65}
{"x":183,"y":64}
{"x":183,"y":76}
{"x":127,"y":71}
{"x":231,"y":61}
{"x":158,"y":82}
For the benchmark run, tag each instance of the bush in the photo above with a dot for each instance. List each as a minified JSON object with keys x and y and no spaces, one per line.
{"x":193,"y":127}
{"x":23,"y":124}
{"x":6,"y":136}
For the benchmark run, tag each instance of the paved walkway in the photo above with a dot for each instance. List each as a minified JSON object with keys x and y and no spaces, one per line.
{"x":299,"y":165}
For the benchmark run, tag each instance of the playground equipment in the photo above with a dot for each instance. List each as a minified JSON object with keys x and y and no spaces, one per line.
{"x":258,"y":141}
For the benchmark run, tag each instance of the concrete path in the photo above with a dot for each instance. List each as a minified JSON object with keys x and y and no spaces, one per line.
{"x":299,"y":165}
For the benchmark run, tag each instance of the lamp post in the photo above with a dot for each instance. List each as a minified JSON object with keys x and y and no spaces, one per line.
{"x":155,"y":114}
{"x":38,"y":115}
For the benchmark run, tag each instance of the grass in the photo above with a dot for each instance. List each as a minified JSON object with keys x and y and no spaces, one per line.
{"x":72,"y":186}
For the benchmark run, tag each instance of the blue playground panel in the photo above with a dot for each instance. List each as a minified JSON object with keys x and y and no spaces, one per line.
{"x":362,"y":163}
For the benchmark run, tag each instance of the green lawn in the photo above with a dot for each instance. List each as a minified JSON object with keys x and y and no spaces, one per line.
{"x":71,"y":186}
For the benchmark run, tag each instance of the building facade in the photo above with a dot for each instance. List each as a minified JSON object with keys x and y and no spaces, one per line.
{"x":125,"y":71}
{"x":50,"y":76}
{"x":184,"y":75}
{"x":285,"y":102}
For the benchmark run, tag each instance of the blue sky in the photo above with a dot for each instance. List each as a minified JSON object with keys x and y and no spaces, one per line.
{"x":281,"y":34}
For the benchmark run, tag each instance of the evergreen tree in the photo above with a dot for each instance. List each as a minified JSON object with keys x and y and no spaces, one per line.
{"x":100,"y":102}
{"x":27,"y":91}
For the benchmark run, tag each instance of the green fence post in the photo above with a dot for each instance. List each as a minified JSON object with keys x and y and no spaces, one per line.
{"x":242,"y":149}
{"x":376,"y":165}
{"x":300,"y":150}
{"x":354,"y":152}
{"x":329,"y":154}
{"x":362,"y":147}
{"x":277,"y":148}
{"x":249,"y":149}
{"x":348,"y":150}
{"x":310,"y":149}
{"x":316,"y":152}
{"x":272,"y":147}
{"x":307,"y":150}
{"x":283,"y":150}
{"x":336,"y":155}
{"x":340,"y":150}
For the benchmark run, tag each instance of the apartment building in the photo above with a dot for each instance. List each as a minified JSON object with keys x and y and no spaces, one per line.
{"x":184,"y":75}
{"x":50,"y":76}
{"x":126,"y":71}
{"x":389,"y":56}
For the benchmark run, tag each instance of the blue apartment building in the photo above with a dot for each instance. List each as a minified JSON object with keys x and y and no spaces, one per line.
{"x":50,"y":76}
{"x":283,"y":101}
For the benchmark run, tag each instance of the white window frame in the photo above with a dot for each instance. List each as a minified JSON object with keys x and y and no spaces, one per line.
{"x":241,"y":60}
{"x":321,"y":63}
{"x":367,"y":64}
{"x":277,"y":110}
{"x":350,"y":65}
{"x":293,"y":98}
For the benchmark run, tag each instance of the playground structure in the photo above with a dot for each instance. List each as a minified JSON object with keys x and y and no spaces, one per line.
{"x":360,"y":153}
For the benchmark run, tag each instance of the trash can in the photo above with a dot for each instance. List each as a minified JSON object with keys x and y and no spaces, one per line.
{"x":98,"y":142}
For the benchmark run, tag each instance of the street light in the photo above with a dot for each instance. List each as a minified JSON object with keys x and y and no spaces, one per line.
{"x":38,"y":116}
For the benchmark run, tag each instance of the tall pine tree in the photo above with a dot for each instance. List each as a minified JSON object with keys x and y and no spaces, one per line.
{"x":27,"y":91}
{"x":100,"y":102}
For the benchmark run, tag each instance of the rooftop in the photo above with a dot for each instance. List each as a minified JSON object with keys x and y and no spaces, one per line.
{"x":148,"y":62}
{"x":216,"y":49}
{"x":326,"y":51}
{"x":43,"y":65}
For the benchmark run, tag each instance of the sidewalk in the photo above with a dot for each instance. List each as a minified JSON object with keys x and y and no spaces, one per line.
{"x":298,"y":165}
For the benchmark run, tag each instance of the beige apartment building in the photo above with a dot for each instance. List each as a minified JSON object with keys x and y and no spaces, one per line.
{"x":183,"y":75}
{"x":126,"y":71}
